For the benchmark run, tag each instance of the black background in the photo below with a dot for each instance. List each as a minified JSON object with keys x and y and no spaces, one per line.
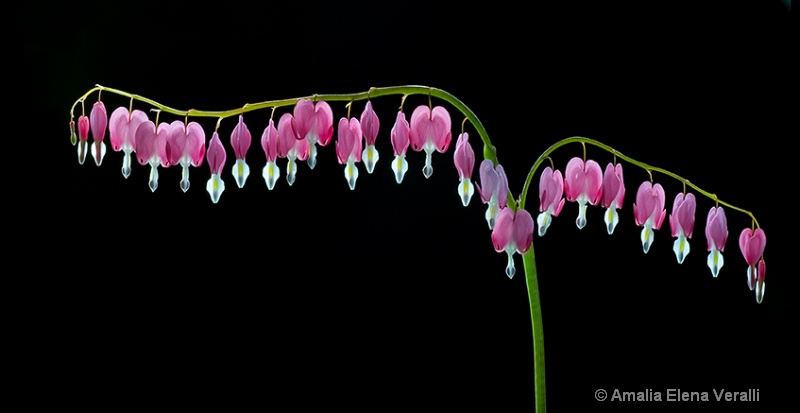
{"x":391,"y":297}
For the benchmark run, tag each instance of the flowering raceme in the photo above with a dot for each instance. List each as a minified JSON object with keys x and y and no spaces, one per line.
{"x":309,"y":124}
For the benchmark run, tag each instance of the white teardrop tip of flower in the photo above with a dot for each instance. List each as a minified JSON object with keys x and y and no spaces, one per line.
{"x":647,"y":238}
{"x":544,"y":221}
{"x":399,"y":166}
{"x":98,"y":152}
{"x":715,"y":262}
{"x":240,"y":172}
{"x":291,"y":170}
{"x":312,"y":155}
{"x":81,"y":152}
{"x":215,"y":187}
{"x":126,"y":165}
{"x":271,"y":173}
{"x":681,"y":248}
{"x":370,"y":157}
{"x":351,"y":174}
{"x":752,"y":275}
{"x":153,"y":182}
{"x":427,"y":170}
{"x":611,"y":217}
{"x":581,"y":220}
{"x":465,"y":191}
{"x":510,"y":270}
{"x":491,"y":212}
{"x":185,"y":178}
{"x":760,"y":287}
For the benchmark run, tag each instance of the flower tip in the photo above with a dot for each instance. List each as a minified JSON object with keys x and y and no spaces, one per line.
{"x":215,"y":187}
{"x":427,"y":171}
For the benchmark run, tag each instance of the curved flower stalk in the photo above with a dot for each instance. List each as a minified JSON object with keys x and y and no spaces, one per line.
{"x":493,"y":189}
{"x":513,"y":234}
{"x":122,"y":133}
{"x":370,"y":125}
{"x":240,"y":141}
{"x":400,"y":141}
{"x":83,"y":137}
{"x":551,"y":198}
{"x":314,"y":125}
{"x":681,"y":223}
{"x":752,"y":243}
{"x":716,"y":237}
{"x":649,"y":211}
{"x":151,"y":149}
{"x":348,"y":148}
{"x":99,"y":120}
{"x":613,"y":195}
{"x":186,"y":146}
{"x":430,"y":130}
{"x":583,"y":182}
{"x":464,"y":158}
{"x":216,"y":161}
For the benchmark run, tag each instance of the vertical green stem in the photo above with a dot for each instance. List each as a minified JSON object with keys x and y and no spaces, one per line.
{"x":529,"y":263}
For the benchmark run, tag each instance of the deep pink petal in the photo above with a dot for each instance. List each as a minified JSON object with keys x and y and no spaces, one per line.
{"x":489,"y":180}
{"x":269,"y":141}
{"x":145,"y":142}
{"x":613,"y":186}
{"x":503,"y":231}
{"x":573,"y":178}
{"x":464,"y":156}
{"x":348,"y":142}
{"x":370,"y":124}
{"x":314,"y":121}
{"x":594,"y":182}
{"x":240,"y":139}
{"x":83,"y":128}
{"x":523,"y":230}
{"x":440,"y":128}
{"x":99,"y":120}
{"x":752,"y":244}
{"x":716,"y":228}
{"x":287,"y":134}
{"x":117,"y":128}
{"x":196,"y":143}
{"x":399,"y":134}
{"x":216,"y":154}
{"x":644,"y":205}
{"x":502,"y":187}
{"x":420,"y":127}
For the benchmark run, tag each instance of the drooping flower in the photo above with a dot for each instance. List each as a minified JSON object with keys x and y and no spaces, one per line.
{"x":73,"y":138}
{"x":298,"y":150}
{"x":275,"y":146}
{"x":186,"y":146}
{"x":99,"y":120}
{"x":613,"y":195}
{"x":760,"y":284}
{"x":464,"y":158}
{"x":83,"y":137}
{"x":493,"y":189}
{"x":716,"y":237}
{"x":681,"y":223}
{"x":216,"y":161}
{"x":370,"y":124}
{"x":122,"y":133}
{"x":348,"y":148}
{"x":430,"y":130}
{"x":752,"y":244}
{"x":513,"y":233}
{"x":400,"y":141}
{"x":583,"y":182}
{"x":648,"y":211}
{"x":314,"y":124}
{"x":151,"y":148}
{"x":240,"y":141}
{"x":551,"y":198}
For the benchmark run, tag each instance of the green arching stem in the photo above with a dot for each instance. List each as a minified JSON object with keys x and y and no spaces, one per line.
{"x":616,"y":153}
{"x":528,"y":259}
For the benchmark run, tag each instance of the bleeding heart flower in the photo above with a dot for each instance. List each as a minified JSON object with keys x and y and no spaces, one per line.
{"x":613,"y":195}
{"x":122,"y":133}
{"x":464,"y":158}
{"x":551,"y":198}
{"x":513,"y":234}
{"x":583,"y":182}
{"x":649,"y":212}
{"x":240,"y":141}
{"x":216,"y":161}
{"x":752,"y":244}
{"x":716,"y":236}
{"x":430,"y":130}
{"x":370,"y":124}
{"x":681,"y":222}
{"x":400,"y":141}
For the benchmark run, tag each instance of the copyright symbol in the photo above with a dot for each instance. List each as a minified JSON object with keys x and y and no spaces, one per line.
{"x":600,"y":395}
